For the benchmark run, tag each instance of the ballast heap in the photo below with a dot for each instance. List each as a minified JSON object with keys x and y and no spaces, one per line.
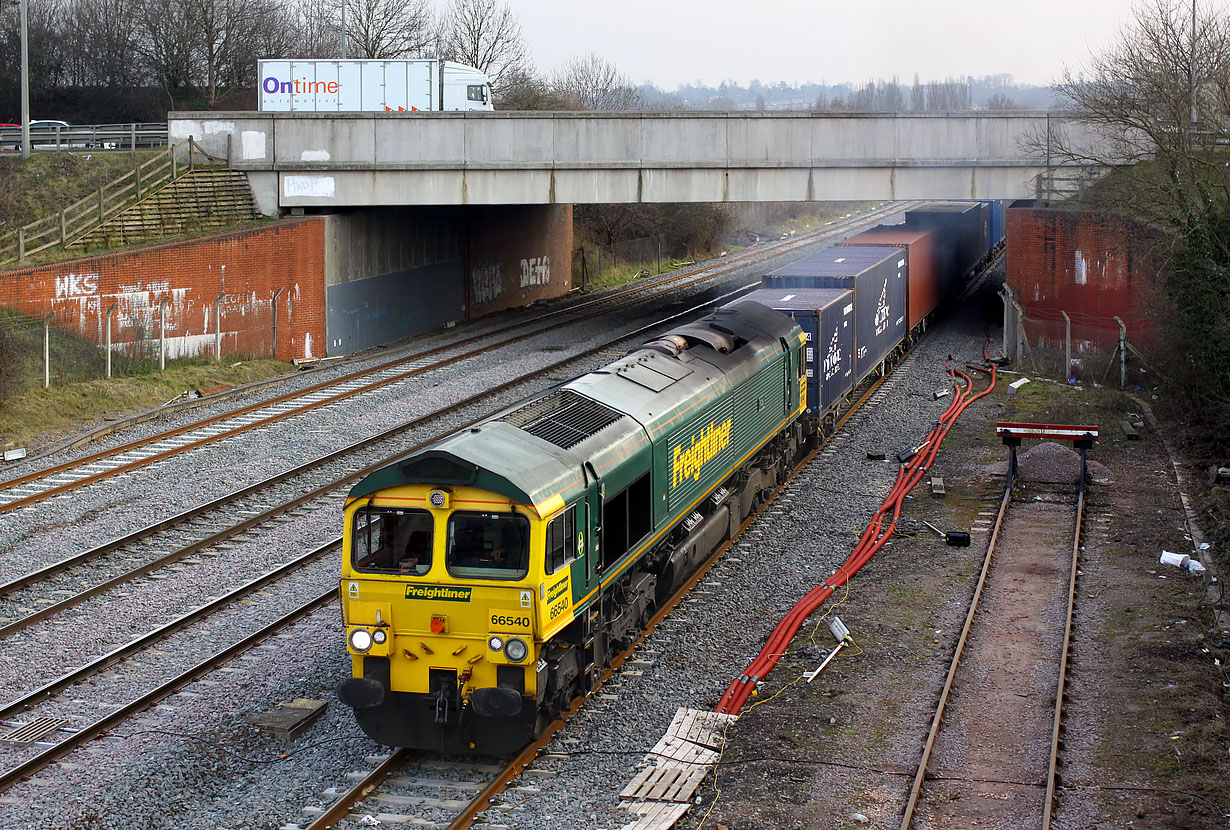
{"x":489,"y":578}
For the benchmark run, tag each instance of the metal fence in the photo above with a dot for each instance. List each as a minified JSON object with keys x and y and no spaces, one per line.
{"x":1074,"y":345}
{"x":56,"y":138}
{"x":124,"y":342}
{"x":597,"y":264}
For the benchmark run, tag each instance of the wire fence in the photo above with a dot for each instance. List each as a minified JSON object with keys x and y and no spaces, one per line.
{"x":1077,"y":345}
{"x":37,"y":352}
{"x":595,"y":266}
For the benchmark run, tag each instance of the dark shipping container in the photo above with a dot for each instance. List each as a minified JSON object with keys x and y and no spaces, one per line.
{"x":962,"y":229}
{"x":999,"y":221}
{"x":826,"y":316}
{"x":924,"y":266}
{"x":877,"y":278}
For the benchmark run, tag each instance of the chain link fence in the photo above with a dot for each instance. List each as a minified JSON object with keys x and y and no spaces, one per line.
{"x":1077,"y":345}
{"x":595,"y":266}
{"x":37,"y":352}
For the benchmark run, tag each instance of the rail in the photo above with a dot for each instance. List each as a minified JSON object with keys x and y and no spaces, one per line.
{"x":56,"y":138}
{"x":68,"y":226}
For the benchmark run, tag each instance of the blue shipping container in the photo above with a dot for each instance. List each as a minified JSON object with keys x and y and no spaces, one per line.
{"x":826,"y":316}
{"x":877,"y":276}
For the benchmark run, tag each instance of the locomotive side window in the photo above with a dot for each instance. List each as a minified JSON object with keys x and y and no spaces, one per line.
{"x":626,"y":519}
{"x":488,"y":545}
{"x":561,"y":540}
{"x":392,"y":540}
{"x":475,"y":92}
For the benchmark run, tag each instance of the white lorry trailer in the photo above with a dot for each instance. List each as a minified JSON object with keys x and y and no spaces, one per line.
{"x":371,"y":86}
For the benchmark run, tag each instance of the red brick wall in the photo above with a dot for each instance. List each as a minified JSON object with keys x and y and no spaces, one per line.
{"x":518,"y":254}
{"x":1094,"y":266}
{"x":247,"y":267}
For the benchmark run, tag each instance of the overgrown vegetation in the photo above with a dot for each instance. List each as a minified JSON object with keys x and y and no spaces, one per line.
{"x":48,"y":182}
{"x":80,"y":394}
{"x":1155,"y":111}
{"x":615,"y":243}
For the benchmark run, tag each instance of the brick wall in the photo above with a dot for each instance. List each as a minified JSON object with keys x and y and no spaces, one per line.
{"x":1094,"y":266}
{"x":518,"y":254}
{"x":246,"y":267}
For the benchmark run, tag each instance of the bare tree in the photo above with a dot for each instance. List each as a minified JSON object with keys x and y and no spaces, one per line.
{"x":387,"y":29}
{"x":487,"y":36}
{"x":316,"y":27}
{"x":1133,"y":107}
{"x":522,"y":89}
{"x":592,"y":82}
{"x":168,"y":36}
{"x":1000,"y":101}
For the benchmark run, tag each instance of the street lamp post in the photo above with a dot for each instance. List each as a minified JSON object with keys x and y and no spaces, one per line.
{"x":25,"y":82}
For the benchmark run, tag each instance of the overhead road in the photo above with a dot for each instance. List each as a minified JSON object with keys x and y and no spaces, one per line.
{"x":313,"y":159}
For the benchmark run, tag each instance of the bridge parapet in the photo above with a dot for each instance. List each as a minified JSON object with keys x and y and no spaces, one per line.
{"x":351,"y":159}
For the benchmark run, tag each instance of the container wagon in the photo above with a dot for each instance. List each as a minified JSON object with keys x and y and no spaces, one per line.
{"x":877,"y":277}
{"x":924,"y":266}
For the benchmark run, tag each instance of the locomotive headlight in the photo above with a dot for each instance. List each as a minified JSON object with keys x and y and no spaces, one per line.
{"x":495,"y":643}
{"x":516,"y":649}
{"x":360,"y":640}
{"x":379,"y":636}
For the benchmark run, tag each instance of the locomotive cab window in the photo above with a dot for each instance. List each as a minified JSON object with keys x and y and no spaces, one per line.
{"x":391,"y":540}
{"x":562,"y":545}
{"x":488,"y":545}
{"x":627,"y":517}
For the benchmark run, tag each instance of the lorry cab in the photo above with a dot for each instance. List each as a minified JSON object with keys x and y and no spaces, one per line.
{"x":465,"y":88}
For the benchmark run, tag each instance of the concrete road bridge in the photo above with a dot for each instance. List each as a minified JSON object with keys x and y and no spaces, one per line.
{"x":352,"y":160}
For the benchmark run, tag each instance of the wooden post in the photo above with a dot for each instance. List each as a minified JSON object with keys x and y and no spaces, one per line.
{"x":21,"y":244}
{"x":63,"y":231}
{"x":228,"y":150}
{"x":191,"y":156}
{"x":132,"y":138}
{"x":100,"y":206}
{"x":174,"y":174}
{"x":136,"y":171}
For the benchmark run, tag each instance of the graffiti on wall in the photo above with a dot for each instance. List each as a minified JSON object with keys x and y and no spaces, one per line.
{"x":535,"y":271}
{"x":76,"y":285}
{"x":486,"y":282}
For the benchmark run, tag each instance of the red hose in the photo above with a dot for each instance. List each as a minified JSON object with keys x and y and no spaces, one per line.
{"x":874,"y":537}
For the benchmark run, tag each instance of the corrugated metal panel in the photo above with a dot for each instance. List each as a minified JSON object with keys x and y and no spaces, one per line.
{"x":378,"y":310}
{"x":826,"y":316}
{"x":878,"y":280}
{"x":923,"y":283}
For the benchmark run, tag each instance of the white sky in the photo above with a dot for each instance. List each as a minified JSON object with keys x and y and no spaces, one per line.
{"x":671,"y":42}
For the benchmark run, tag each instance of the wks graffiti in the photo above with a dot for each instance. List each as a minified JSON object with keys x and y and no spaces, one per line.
{"x":535,"y":271}
{"x":486,"y":283}
{"x":76,"y":285}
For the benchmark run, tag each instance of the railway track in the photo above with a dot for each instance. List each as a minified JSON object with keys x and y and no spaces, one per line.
{"x":1008,"y":672}
{"x":207,"y":529}
{"x":22,"y":711}
{"x":40,"y":485}
{"x":369,"y":796}
{"x":365,"y":797}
